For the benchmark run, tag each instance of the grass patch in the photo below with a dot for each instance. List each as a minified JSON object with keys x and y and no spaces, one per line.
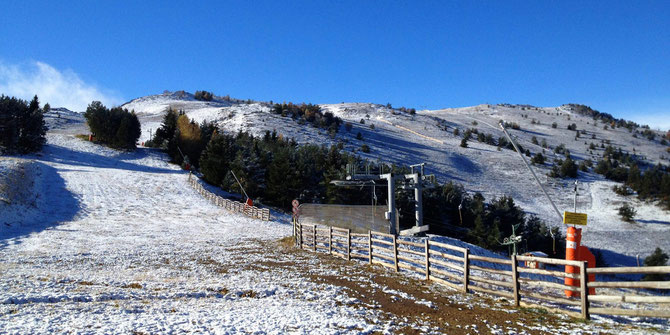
{"x":132,"y":285}
{"x":534,"y":310}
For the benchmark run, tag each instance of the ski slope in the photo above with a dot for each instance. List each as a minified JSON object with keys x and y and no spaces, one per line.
{"x":119,"y":243}
{"x":397,"y":137}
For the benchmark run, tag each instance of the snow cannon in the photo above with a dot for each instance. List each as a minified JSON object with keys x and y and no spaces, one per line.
{"x":574,"y":251}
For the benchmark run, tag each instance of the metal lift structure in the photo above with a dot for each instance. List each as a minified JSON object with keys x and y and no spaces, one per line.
{"x":416,"y":180}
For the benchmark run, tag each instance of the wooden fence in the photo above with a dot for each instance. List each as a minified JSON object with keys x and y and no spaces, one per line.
{"x":232,"y":206}
{"x":455,"y":267}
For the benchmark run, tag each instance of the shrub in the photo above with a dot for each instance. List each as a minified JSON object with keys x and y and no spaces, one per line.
{"x":622,"y":190}
{"x":554,"y":125}
{"x":204,"y":95}
{"x":309,"y":113}
{"x":512,"y":125}
{"x":359,"y":136}
{"x":538,"y":159}
{"x":583,"y":166}
{"x":464,"y":142}
{"x":456,"y":132}
{"x":569,"y":168}
{"x":657,"y":258}
{"x":627,"y":213}
{"x":365,"y":148}
{"x":560,"y":149}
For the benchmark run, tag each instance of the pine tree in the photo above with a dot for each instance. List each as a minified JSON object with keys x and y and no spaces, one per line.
{"x":33,"y":128}
{"x":627,"y":213}
{"x":479,"y":232}
{"x":167,"y":129}
{"x":22,"y":127}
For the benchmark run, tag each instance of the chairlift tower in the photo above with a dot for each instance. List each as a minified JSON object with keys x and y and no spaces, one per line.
{"x":416,"y":180}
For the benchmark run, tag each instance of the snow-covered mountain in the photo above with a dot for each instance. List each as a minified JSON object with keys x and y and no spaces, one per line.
{"x":400,"y":137}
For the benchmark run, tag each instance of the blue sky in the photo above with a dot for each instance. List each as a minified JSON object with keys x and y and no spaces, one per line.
{"x":613,"y":56}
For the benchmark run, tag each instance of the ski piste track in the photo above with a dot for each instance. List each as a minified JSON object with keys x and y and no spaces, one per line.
{"x":119,"y":243}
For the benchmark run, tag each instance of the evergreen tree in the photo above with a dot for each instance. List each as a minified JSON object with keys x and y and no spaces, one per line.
{"x":627,"y":212}
{"x":22,"y":127}
{"x":538,"y":159}
{"x":479,"y":232}
{"x":33,"y":128}
{"x":167,"y":130}
{"x":657,"y":258}
{"x":116,"y":127}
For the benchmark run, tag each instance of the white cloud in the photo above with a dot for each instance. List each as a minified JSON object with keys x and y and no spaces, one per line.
{"x":58,"y":88}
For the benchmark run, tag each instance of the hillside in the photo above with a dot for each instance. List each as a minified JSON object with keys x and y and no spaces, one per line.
{"x":118,"y":242}
{"x":399,"y":137}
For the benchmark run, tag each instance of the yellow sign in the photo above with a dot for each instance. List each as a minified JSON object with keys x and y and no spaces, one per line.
{"x":574,"y":218}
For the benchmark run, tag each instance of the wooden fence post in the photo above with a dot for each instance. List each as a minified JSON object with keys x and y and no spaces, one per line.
{"x":314,"y":239}
{"x":348,"y":244}
{"x":427,"y":262}
{"x":294,"y":236}
{"x":395,"y":253}
{"x":330,"y":240}
{"x":300,"y":228}
{"x":515,"y":279}
{"x":370,"y":246}
{"x":466,"y":270}
{"x":584,"y":294}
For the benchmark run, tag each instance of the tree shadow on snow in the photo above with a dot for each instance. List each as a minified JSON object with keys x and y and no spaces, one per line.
{"x":653,"y":221}
{"x":122,"y":161}
{"x":55,"y":204}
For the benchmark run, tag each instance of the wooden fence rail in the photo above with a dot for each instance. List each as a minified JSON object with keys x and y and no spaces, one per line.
{"x":231,"y":206}
{"x":455,"y":267}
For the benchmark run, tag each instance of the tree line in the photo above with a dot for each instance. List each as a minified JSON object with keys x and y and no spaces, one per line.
{"x":275,"y":170}
{"x":309,"y":113}
{"x":651,"y":184}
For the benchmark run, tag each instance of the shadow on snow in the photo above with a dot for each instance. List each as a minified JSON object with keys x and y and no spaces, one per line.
{"x":56,"y":205}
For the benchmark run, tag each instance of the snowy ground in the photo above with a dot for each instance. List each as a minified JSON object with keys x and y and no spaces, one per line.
{"x":427,"y":136}
{"x":119,"y":243}
{"x":135,"y":249}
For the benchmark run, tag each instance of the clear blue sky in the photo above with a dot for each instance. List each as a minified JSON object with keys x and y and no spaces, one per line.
{"x":613,"y":56}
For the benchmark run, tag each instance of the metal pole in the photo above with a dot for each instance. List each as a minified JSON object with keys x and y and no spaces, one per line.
{"x":391,"y":201}
{"x":576,"y":196}
{"x":238,"y":182}
{"x":418,"y":197}
{"x":502,"y":126}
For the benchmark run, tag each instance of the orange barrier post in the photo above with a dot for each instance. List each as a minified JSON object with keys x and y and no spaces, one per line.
{"x":586,"y":255}
{"x":572,"y":243}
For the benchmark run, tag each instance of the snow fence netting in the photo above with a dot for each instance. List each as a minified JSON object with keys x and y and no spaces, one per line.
{"x":359,"y":219}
